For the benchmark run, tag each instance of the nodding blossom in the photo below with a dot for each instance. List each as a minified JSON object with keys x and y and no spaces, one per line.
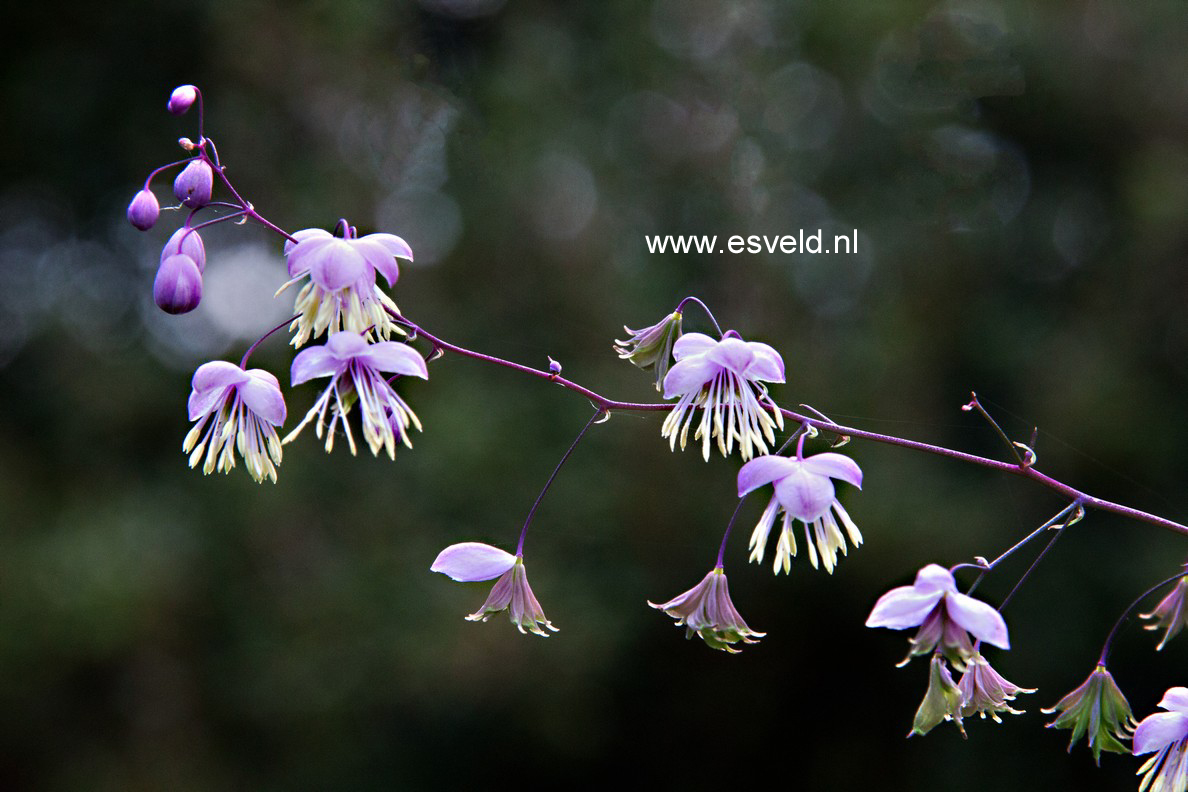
{"x":342,"y":293}
{"x":944,"y":615}
{"x":706,"y":609}
{"x":651,"y":347}
{"x":1167,"y":733}
{"x":468,"y":562}
{"x":942,"y":701}
{"x":803,"y":491}
{"x":1169,"y":615}
{"x":1098,"y":709}
{"x":723,"y":379}
{"x":985,"y":692}
{"x":231,"y":404}
{"x":354,"y":368}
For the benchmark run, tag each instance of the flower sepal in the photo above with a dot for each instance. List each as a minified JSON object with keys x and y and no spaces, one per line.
{"x":706,"y":610}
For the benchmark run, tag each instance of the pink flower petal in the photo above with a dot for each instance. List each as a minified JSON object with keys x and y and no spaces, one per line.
{"x":334,"y":265}
{"x":838,"y":466}
{"x":935,"y":577}
{"x":732,"y":354}
{"x":394,"y":357}
{"x":903,"y":607}
{"x":763,"y":470}
{"x":766,"y":364}
{"x":805,"y":495}
{"x":1176,"y":700}
{"x":471,"y":561}
{"x":980,"y":619}
{"x":262,"y":395}
{"x":304,"y":234}
{"x":313,"y":362}
{"x":1159,"y":730}
{"x":210,"y":384}
{"x":688,"y":375}
{"x":692,"y":344}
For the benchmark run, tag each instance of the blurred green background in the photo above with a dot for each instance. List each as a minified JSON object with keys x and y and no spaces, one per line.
{"x":1018,"y":177}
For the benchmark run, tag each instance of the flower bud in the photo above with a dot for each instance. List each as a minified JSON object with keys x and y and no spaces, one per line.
{"x":178,"y":287}
{"x":194,"y":184}
{"x":180,"y":100}
{"x":188,"y":243}
{"x":144,"y":209}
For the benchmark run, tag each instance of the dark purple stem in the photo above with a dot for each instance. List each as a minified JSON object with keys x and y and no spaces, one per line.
{"x":263,"y":338}
{"x":1028,"y":472}
{"x":532,"y":512}
{"x":989,"y":566}
{"x":681,"y":309}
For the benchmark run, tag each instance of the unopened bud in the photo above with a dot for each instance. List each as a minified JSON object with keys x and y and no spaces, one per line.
{"x":180,"y":100}
{"x":186,"y":143}
{"x":178,"y":287}
{"x":186,"y":240}
{"x":144,"y":210}
{"x":194,"y":184}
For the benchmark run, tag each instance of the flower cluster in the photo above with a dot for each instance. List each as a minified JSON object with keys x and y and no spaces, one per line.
{"x":803,"y":491}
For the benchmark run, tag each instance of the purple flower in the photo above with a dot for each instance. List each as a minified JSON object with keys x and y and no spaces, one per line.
{"x":944,"y":616}
{"x":180,"y":100}
{"x":803,"y":491}
{"x":706,"y":609}
{"x":1167,"y":733}
{"x":246,"y":406}
{"x":144,"y":210}
{"x":341,"y":293}
{"x":984,"y":691}
{"x":354,"y":368}
{"x":1169,"y":614}
{"x":473,"y":561}
{"x":942,"y":701}
{"x":193,"y":186}
{"x":186,"y":240}
{"x":177,"y":289}
{"x":1098,"y":709}
{"x":651,"y":347}
{"x":723,"y":379}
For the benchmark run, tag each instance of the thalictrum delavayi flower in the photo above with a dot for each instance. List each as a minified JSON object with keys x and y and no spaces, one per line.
{"x":473,"y":561}
{"x":651,"y":347}
{"x":342,"y":293}
{"x":724,"y":380}
{"x":1098,"y":709}
{"x":355,"y":371}
{"x":803,"y":491}
{"x":1169,"y":615}
{"x":235,"y":405}
{"x":985,"y":692}
{"x":706,"y":609}
{"x":944,"y":615}
{"x":941,"y":702}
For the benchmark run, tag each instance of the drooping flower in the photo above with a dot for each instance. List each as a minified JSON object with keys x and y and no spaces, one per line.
{"x":941,"y":702}
{"x":342,"y":293}
{"x":144,"y":210}
{"x":803,"y":491}
{"x":230,"y":403}
{"x":706,"y":609}
{"x":651,"y":347}
{"x":984,"y":691}
{"x":1169,"y":614}
{"x":944,"y":616}
{"x":194,"y":185}
{"x":1098,"y":709}
{"x":177,"y":289}
{"x":468,"y":562}
{"x":724,"y":380}
{"x":354,"y":368}
{"x":1167,"y":733}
